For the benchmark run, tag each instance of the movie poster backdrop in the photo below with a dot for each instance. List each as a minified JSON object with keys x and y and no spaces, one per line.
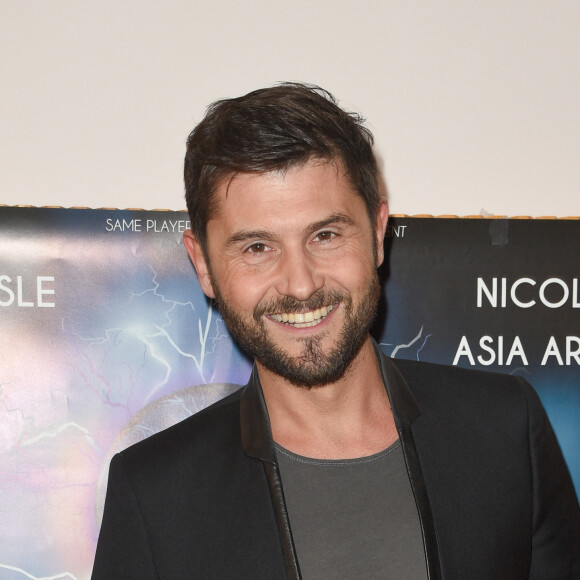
{"x":106,"y":338}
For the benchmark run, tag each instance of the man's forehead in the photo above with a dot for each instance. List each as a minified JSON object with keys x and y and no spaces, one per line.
{"x":317,"y":186}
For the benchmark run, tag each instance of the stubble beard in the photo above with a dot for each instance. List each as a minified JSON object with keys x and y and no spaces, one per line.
{"x":313,"y":366}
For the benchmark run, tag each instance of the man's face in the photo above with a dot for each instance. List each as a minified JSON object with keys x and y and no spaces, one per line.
{"x":292,"y":266}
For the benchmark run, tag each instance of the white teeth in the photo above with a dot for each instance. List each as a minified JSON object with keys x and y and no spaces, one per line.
{"x":303,"y":319}
{"x":307,"y":324}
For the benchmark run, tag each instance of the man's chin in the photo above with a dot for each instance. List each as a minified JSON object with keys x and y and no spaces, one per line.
{"x":307,"y":369}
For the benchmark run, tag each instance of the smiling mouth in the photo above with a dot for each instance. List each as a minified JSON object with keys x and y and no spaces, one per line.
{"x":303,"y":319}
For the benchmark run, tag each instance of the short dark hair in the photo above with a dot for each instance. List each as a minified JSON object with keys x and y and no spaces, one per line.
{"x":274,"y":129}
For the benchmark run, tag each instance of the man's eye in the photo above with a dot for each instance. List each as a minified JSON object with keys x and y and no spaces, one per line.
{"x":257,"y":248}
{"x":325,"y":236}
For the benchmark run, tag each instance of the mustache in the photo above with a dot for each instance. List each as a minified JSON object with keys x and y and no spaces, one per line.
{"x":317,"y":300}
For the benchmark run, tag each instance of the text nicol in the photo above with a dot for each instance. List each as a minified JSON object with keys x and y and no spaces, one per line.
{"x":552,"y":293}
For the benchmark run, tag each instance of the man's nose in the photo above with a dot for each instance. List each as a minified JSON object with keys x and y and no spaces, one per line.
{"x":299,"y":275}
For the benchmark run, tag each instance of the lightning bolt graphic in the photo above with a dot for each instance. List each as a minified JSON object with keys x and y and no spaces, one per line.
{"x":27,"y":575}
{"x":409,"y":344}
{"x":57,"y":432}
{"x":116,"y":343}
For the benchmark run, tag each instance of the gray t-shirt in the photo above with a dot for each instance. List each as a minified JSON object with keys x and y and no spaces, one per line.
{"x":353,"y":518}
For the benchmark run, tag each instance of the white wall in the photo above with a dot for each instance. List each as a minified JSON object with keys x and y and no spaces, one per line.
{"x":473,"y":104}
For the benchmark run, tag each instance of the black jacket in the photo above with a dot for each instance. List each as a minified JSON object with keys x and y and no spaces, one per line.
{"x":203,"y":499}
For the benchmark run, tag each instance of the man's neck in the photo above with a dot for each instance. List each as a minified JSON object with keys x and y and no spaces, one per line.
{"x":349,"y":418}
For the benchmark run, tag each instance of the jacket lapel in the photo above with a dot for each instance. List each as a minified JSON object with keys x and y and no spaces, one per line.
{"x":257,"y":442}
{"x":405,"y":411}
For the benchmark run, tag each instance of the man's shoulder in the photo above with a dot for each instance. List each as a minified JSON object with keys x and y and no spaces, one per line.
{"x":437,"y":383}
{"x":218,"y":425}
{"x":471,"y":411}
{"x":420,"y":370}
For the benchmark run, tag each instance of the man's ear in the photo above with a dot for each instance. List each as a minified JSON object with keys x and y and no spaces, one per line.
{"x":200,"y":264}
{"x":380,"y":230}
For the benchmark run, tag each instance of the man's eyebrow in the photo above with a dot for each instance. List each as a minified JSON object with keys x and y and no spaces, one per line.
{"x":247,"y":235}
{"x":334,"y":219}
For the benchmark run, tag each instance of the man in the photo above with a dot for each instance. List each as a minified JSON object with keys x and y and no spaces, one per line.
{"x":334,"y":461}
